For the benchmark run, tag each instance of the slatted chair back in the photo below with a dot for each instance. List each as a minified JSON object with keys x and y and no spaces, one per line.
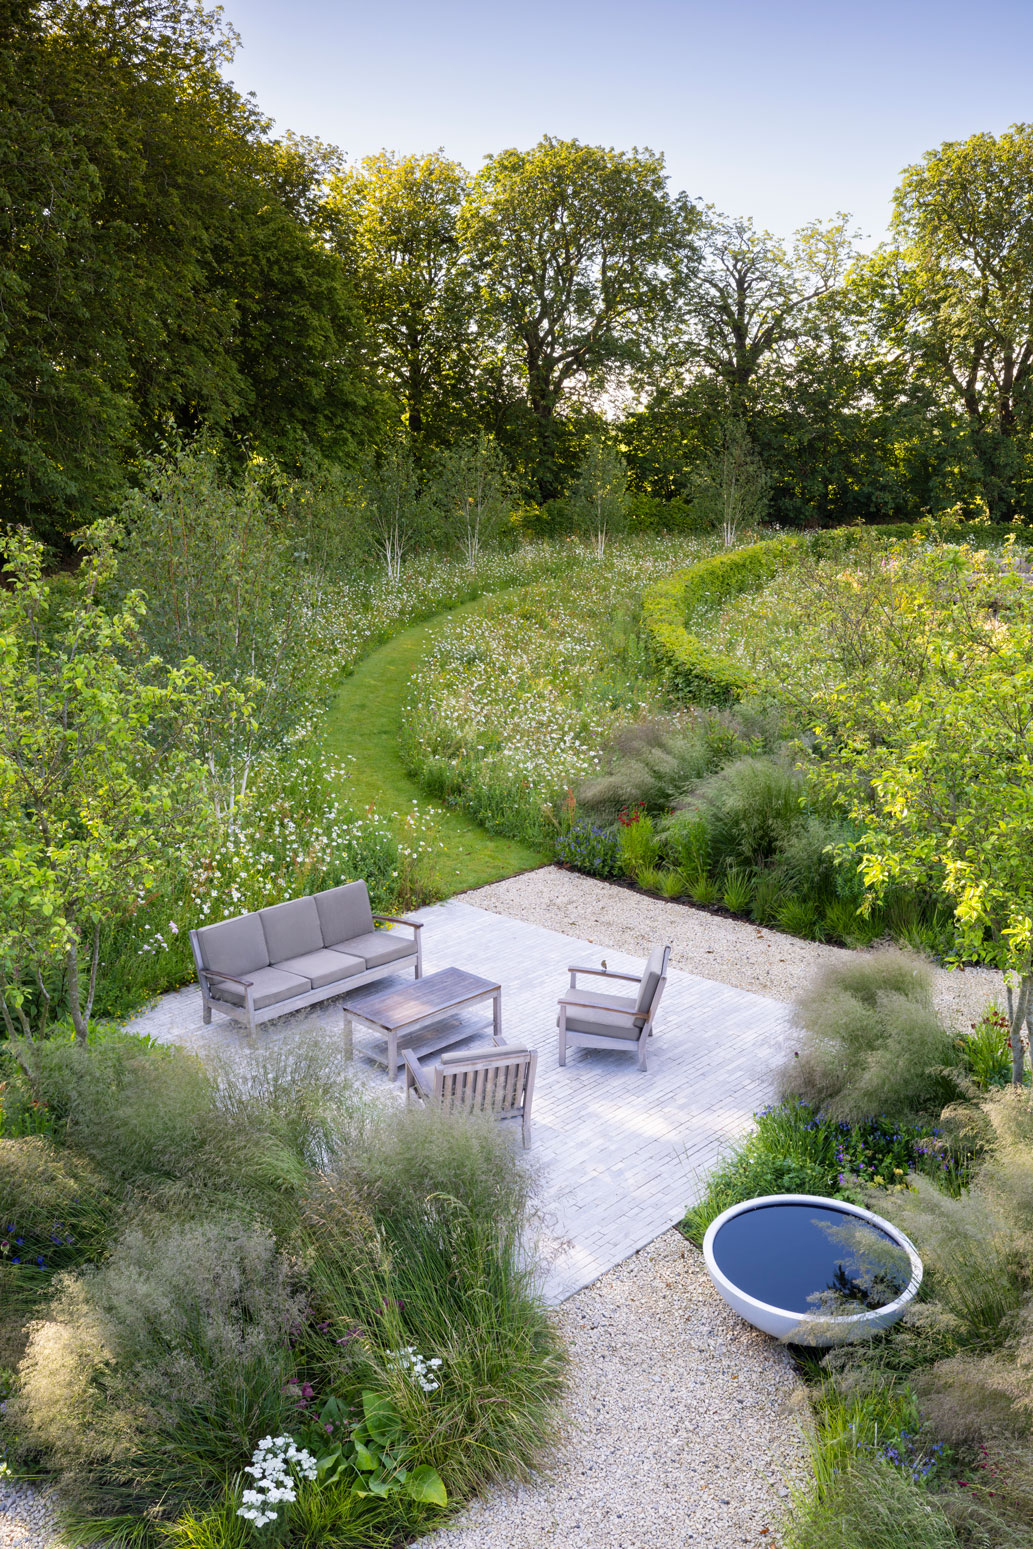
{"x":499,"y":1081}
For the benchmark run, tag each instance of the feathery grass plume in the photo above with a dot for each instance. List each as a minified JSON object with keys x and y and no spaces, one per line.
{"x":870,"y":1505}
{"x":871,"y":1041}
{"x":55,"y":1214}
{"x":151,"y":1376}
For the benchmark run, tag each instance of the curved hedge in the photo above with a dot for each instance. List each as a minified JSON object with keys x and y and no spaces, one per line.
{"x":702,"y":675}
{"x":691,"y":668}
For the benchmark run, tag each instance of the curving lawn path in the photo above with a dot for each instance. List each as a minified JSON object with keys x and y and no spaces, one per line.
{"x":363,"y":726}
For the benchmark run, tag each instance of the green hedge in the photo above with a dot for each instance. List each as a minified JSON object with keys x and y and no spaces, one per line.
{"x":690,"y":668}
{"x":703,"y":676}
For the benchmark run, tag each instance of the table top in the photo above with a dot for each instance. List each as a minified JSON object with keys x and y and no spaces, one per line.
{"x":419,"y":998}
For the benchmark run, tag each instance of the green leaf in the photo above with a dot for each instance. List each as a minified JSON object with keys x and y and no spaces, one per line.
{"x":425,"y":1484}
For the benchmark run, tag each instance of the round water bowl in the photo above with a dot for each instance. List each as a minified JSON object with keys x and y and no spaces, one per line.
{"x":811,"y":1270}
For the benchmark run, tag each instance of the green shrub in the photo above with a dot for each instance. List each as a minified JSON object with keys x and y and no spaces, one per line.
{"x":417,"y":1238}
{"x":870,"y":1041}
{"x":986,"y":1050}
{"x":769,"y":895}
{"x":638,"y":846}
{"x":750,"y":1175}
{"x":738,"y":890}
{"x":56,"y":1215}
{"x":695,"y":672}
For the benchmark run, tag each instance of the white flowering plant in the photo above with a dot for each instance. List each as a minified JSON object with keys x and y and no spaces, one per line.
{"x":421,"y":1370}
{"x":276,"y":1466}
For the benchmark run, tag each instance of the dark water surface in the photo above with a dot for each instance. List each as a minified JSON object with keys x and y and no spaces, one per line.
{"x":786,"y":1255}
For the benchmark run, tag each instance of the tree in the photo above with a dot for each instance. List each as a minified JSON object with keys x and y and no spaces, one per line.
{"x":159,"y":256}
{"x":731,"y":488}
{"x":222,"y":586}
{"x":751,"y":297}
{"x":926,"y":732}
{"x":577,"y":251}
{"x":474,"y":490}
{"x":394,"y":508}
{"x":961,"y":291}
{"x":99,"y":782}
{"x":398,"y":225}
{"x":600,"y":498}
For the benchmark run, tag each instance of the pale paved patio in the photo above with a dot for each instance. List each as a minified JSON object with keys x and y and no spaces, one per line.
{"x":621,"y":1151}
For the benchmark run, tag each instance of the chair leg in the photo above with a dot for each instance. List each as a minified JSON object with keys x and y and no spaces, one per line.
{"x":563,"y":1035}
{"x":642,"y":1053}
{"x":206,"y":1015}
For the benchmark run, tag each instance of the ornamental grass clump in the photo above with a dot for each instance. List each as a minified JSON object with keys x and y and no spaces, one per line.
{"x":149,"y":1376}
{"x":870,"y":1042}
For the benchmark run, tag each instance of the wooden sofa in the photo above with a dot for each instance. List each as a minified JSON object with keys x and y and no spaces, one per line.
{"x":263,"y":965}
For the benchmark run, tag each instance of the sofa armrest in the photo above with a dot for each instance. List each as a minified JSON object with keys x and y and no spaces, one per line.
{"x":214,"y":973}
{"x":399,"y":919}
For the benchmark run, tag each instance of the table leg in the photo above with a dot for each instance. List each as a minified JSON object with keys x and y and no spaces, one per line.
{"x":349,"y":1037}
{"x":392,"y":1055}
{"x":496,"y":1012}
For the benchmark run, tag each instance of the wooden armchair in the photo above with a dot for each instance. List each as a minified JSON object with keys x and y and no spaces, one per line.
{"x":499,"y":1080}
{"x":600,"y":1020}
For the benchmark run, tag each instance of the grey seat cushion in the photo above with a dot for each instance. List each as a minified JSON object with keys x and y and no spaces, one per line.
{"x":323,"y":967}
{"x":650,"y":978}
{"x":603,"y":1023}
{"x":344,"y":913}
{"x":271,"y":985}
{"x":601,"y":998}
{"x":234,"y":946}
{"x":291,"y":929}
{"x":379,"y":947}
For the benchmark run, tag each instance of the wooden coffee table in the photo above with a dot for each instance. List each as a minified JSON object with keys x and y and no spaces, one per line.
{"x":398,"y":1015}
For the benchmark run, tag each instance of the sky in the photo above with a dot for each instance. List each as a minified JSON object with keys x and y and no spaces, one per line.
{"x":784,"y":110}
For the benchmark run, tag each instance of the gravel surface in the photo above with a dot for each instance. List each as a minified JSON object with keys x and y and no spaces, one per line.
{"x":26,"y":1519}
{"x":711,"y":945}
{"x":684,"y":1423}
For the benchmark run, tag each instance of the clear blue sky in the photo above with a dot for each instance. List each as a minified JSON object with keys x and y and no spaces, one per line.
{"x":780,"y":109}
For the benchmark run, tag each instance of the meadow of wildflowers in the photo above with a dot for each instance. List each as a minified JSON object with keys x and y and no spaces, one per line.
{"x":514,"y":705}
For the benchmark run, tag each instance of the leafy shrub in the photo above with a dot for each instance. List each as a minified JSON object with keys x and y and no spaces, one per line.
{"x":750,"y":1175}
{"x":637,"y":844}
{"x":738,"y":890}
{"x":590,"y":848}
{"x":986,"y":1050}
{"x":870,"y":1041}
{"x":150,"y":1376}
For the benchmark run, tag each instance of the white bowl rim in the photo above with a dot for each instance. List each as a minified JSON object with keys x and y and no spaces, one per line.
{"x":875,"y":1314}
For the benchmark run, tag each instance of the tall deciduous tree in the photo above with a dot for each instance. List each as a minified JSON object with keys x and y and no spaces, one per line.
{"x":960,"y":293}
{"x":577,"y":250}
{"x":399,"y":225}
{"x":751,"y":294}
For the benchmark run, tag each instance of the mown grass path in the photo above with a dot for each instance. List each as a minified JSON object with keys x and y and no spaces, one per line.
{"x":363,"y":726}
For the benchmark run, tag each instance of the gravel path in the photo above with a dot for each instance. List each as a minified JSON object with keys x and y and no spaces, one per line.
{"x":731,"y":951}
{"x":684,"y":1423}
{"x":26,"y":1520}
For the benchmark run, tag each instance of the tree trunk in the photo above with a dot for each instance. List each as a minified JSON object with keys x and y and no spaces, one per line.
{"x":1020,"y":1011}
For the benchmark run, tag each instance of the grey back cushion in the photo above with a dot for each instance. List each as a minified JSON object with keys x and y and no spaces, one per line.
{"x":651,"y":978}
{"x":234,"y":947}
{"x":291,"y":929}
{"x":344,"y":913}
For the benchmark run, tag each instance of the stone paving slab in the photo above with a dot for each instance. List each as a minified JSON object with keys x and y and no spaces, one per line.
{"x":621,"y":1151}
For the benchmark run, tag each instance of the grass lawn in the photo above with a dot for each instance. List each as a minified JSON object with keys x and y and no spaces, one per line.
{"x":363,"y":725}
